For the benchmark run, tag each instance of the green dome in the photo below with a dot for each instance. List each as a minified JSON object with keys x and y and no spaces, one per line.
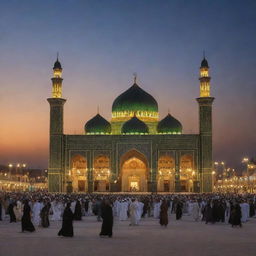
{"x":169,"y":125}
{"x":135,"y":99}
{"x":97,"y":125}
{"x":134,"y":126}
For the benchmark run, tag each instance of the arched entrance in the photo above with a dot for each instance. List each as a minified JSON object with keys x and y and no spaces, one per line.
{"x":165,"y":175}
{"x":78,"y":173}
{"x":101,"y":173}
{"x":134,"y":172}
{"x":187,"y":173}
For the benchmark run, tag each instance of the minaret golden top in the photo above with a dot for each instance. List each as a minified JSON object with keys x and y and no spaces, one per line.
{"x":204,"y":79}
{"x":57,"y":80}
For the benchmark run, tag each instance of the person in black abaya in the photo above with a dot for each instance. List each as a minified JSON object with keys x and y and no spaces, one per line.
{"x":45,"y":223}
{"x":26,"y":224}
{"x":252,"y":209}
{"x":11,"y":212}
{"x":215,"y":211}
{"x":67,"y":222}
{"x":164,"y":214}
{"x":208,"y":213}
{"x":78,"y":211}
{"x":86,"y":207}
{"x":145,"y":208}
{"x":179,"y":206}
{"x":236,"y":215}
{"x":107,"y":216}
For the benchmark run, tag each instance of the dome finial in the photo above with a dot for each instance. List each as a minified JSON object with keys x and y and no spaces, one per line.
{"x":57,"y":64}
{"x":98,"y":109}
{"x":204,"y":54}
{"x":168,"y":111}
{"x":134,"y":77}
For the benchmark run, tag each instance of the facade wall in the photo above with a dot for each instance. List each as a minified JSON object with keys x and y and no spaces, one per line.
{"x":116,"y":146}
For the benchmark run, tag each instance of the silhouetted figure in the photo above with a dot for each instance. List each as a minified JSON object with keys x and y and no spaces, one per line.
{"x":11,"y":212}
{"x":26,"y":224}
{"x":67,"y":223}
{"x":107,"y":216}
{"x":78,"y":211}
{"x":208,"y":213}
{"x":45,"y":223}
{"x":164,"y":214}
{"x":252,"y":208}
{"x":236,"y":215}
{"x":179,"y":206}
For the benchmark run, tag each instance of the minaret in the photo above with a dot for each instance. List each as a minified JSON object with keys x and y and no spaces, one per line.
{"x":205,"y":128}
{"x":57,"y":80}
{"x":55,"y":169}
{"x":204,"y":79}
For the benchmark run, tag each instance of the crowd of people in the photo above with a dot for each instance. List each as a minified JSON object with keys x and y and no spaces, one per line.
{"x":36,"y":209}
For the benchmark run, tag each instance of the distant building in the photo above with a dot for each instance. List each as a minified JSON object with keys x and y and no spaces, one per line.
{"x":15,"y":178}
{"x":134,"y":151}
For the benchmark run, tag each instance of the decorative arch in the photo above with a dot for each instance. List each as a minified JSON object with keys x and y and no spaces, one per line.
{"x":187,"y":172}
{"x":166,"y":174}
{"x":78,"y":173}
{"x":101,"y":173}
{"x":134,"y":172}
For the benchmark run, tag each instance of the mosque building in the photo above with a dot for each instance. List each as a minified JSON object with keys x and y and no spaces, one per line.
{"x":134,"y":151}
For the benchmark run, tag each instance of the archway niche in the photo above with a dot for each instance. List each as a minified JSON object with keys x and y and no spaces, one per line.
{"x":101,"y":173}
{"x":187,"y":173}
{"x":134,"y":172}
{"x":78,"y":173}
{"x":166,"y":174}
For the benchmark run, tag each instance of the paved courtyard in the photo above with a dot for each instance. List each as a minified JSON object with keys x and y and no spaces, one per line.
{"x":183,"y":238}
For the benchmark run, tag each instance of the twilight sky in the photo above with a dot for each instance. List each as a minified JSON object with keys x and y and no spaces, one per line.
{"x":102,"y":43}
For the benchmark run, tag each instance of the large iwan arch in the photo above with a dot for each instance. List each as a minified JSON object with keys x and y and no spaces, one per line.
{"x":134,"y":172}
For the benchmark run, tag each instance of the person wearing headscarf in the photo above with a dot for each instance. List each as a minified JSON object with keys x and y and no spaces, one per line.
{"x":208,"y":213}
{"x":67,"y":222}
{"x":44,"y":214}
{"x":11,"y":212}
{"x":164,"y":214}
{"x":107,"y":216}
{"x":179,"y":206}
{"x":236,"y":215}
{"x":78,"y":211}
{"x":26,"y":224}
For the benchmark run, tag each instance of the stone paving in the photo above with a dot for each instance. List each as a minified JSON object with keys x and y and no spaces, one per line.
{"x":181,"y":238}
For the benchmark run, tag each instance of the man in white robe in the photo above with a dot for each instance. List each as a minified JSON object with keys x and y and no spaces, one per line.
{"x":57,"y":210}
{"x":156,"y":210}
{"x":123,"y":210}
{"x":134,"y":212}
{"x":244,"y":212}
{"x":195,"y":210}
{"x":37,"y":206}
{"x":73,"y":206}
